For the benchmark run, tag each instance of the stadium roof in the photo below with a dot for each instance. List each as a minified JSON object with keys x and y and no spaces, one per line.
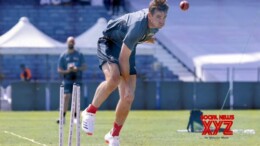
{"x":26,"y":35}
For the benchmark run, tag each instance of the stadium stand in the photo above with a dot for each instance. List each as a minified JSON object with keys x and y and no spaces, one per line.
{"x":55,"y":21}
{"x":21,"y":3}
{"x":59,"y":22}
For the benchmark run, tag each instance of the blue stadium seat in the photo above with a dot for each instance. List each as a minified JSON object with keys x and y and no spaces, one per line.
{"x":55,"y":21}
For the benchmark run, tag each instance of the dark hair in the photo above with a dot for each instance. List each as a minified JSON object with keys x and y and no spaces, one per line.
{"x":159,"y":5}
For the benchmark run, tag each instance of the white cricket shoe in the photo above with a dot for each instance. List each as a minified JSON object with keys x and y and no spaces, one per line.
{"x":75,"y":121}
{"x":112,"y":140}
{"x":88,"y":122}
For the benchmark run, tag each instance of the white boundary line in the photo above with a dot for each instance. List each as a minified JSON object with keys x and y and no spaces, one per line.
{"x":19,"y":136}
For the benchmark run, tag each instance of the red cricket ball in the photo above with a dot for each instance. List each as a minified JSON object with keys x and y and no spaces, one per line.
{"x":184,"y":5}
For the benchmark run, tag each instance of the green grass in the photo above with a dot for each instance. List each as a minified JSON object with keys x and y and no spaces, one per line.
{"x":143,"y":128}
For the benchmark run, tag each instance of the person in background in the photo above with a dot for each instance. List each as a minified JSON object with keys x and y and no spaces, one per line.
{"x":26,"y":73}
{"x":71,"y":66}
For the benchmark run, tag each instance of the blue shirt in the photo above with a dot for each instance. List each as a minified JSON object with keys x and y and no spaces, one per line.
{"x":71,"y":59}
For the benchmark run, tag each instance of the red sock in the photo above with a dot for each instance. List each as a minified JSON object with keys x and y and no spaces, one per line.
{"x":91,"y":109}
{"x":116,"y":129}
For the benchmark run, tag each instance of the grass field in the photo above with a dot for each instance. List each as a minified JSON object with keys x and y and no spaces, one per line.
{"x":143,"y":128}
